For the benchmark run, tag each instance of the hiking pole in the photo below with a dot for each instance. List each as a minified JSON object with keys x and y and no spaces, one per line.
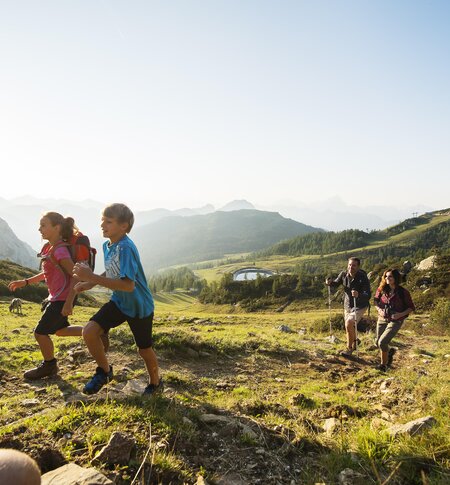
{"x":356,"y":328}
{"x":329,"y":310}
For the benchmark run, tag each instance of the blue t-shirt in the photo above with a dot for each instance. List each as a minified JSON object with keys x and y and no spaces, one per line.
{"x":122,"y":261}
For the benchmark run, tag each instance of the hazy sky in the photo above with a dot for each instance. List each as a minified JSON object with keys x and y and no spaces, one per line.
{"x":180,"y":103}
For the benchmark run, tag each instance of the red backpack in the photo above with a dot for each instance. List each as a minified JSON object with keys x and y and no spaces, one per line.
{"x":79,"y":247}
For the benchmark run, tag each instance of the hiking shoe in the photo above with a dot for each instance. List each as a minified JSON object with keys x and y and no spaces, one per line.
{"x":347,"y":352}
{"x":391,"y":354}
{"x":46,"y":368}
{"x":357,"y":342}
{"x":99,"y":379}
{"x":152,"y":389}
{"x":105,"y":340}
{"x":382,"y":367}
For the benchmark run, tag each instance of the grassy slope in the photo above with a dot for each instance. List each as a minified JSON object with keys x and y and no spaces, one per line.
{"x":285,"y":263}
{"x":281,"y":385}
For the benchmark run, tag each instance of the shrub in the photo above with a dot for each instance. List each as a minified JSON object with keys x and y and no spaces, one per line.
{"x":440,"y":317}
{"x":424,"y":300}
{"x":322,"y":325}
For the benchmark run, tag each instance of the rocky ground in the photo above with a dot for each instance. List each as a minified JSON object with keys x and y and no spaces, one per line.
{"x":243,"y":404}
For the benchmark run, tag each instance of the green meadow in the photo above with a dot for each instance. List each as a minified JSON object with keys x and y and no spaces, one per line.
{"x":243,"y":399}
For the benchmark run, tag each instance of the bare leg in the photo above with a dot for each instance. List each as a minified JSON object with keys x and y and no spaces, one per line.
{"x":71,"y":331}
{"x":151,"y":363}
{"x":351,"y":335}
{"x":384,"y":357}
{"x":91,"y":334}
{"x":46,"y":346}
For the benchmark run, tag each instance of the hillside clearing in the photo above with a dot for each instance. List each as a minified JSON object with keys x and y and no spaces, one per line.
{"x":267,"y":393}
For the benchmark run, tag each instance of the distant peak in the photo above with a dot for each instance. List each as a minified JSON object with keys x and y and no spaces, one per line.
{"x":236,"y":205}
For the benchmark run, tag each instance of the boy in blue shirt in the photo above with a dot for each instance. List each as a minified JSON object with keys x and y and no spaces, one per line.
{"x":131,"y":300}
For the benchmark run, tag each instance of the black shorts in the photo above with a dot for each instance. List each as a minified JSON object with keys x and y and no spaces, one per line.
{"x":52,"y":319}
{"x":109,"y":316}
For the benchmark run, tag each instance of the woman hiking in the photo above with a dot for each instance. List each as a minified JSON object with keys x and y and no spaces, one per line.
{"x":394,"y":304}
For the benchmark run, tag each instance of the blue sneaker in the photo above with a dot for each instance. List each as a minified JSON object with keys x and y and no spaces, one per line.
{"x":154,"y":389}
{"x":99,"y":379}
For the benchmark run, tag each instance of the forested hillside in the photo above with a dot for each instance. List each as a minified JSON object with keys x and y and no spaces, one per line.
{"x":177,"y":240}
{"x":412,"y":238}
{"x":302,"y":263}
{"x":319,"y":243}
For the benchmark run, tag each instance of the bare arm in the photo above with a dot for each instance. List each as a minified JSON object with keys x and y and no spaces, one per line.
{"x":67,"y":266}
{"x":17,"y":284}
{"x":81,"y":286}
{"x":83,"y":273}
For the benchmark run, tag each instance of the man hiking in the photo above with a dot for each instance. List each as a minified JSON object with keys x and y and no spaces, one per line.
{"x":357,"y":296}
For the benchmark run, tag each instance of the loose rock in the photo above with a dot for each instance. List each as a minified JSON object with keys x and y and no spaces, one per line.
{"x":117,"y":451}
{"x":72,"y":474}
{"x":350,"y":477}
{"x":30,"y":402}
{"x":330,"y":424}
{"x":214,"y":419}
{"x":412,"y":428}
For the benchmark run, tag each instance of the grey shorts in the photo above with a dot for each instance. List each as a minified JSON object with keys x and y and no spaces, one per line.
{"x":386,"y":331}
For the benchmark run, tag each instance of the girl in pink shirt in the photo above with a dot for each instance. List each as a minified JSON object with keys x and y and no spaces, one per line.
{"x":57,"y":266}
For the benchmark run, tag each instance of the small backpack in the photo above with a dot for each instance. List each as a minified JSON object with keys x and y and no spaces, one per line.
{"x":79,"y":247}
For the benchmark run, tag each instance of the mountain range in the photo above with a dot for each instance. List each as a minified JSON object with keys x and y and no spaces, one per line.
{"x":23,"y":213}
{"x":179,"y":240}
{"x":167,"y":237}
{"x":164,"y":237}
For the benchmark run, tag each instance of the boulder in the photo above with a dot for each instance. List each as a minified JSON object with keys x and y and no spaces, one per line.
{"x":329,"y":425}
{"x":412,"y":428}
{"x":29,"y":403}
{"x":214,"y":419}
{"x":117,"y":451}
{"x":134,"y":386}
{"x":426,"y":264}
{"x":247,"y":432}
{"x":72,"y":474}
{"x":385,"y":386}
{"x":350,"y":477}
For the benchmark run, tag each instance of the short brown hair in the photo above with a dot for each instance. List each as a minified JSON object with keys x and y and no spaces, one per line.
{"x":121,"y":213}
{"x":355,"y":259}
